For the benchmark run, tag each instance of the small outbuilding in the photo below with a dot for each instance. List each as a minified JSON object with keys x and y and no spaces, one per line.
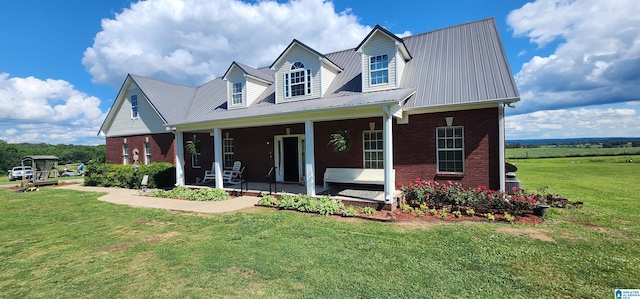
{"x":45,"y":170}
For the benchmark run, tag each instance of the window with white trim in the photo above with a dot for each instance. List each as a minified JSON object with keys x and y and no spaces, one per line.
{"x":125,"y":153}
{"x":298,"y":81}
{"x":147,"y":153}
{"x":134,"y":106}
{"x":450,"y":149}
{"x":236,"y":95}
{"x":379,"y":69}
{"x":196,"y":160}
{"x":228,"y":156}
{"x":373,"y":149}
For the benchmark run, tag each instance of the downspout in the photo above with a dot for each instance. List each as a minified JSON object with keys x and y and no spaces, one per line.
{"x":501,"y":148}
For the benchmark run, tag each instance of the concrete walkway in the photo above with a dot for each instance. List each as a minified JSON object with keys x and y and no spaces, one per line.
{"x":134,"y":198}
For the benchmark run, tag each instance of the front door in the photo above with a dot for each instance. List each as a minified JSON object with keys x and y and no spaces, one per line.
{"x":290,"y":159}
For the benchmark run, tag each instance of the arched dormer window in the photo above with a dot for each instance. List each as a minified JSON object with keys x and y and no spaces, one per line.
{"x":298,"y":81}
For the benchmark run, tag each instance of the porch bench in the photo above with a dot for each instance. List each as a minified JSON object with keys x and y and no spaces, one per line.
{"x":355,"y":176}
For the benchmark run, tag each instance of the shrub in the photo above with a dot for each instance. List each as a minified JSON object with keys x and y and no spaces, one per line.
{"x":490,"y":216}
{"x":418,"y":213}
{"x":424,"y":207}
{"x":406,"y":208}
{"x":458,"y":214}
{"x":287,"y":202}
{"x":509,"y":217}
{"x":470,"y":212}
{"x":306,"y":203}
{"x":433,"y":212}
{"x":328,"y":206}
{"x":182,"y":192}
{"x":350,"y":211}
{"x":368,"y":210}
{"x":161,"y":175}
{"x":444,"y":212}
{"x":268,"y":201}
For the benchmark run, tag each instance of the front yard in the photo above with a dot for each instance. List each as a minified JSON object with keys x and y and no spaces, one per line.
{"x":63,"y":243}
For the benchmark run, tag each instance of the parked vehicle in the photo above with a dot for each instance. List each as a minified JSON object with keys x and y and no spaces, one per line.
{"x":67,"y":172}
{"x":17,"y":173}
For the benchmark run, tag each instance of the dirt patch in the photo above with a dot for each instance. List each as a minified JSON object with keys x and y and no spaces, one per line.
{"x":245,"y":272}
{"x":533,"y":233}
{"x":162,"y":237}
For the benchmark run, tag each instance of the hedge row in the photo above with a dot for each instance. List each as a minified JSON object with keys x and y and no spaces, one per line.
{"x":161,"y":175}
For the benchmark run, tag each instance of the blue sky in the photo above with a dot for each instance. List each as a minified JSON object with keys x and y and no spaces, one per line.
{"x":576,"y":63}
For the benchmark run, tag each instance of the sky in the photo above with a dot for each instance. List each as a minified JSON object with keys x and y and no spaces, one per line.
{"x":62,"y":63}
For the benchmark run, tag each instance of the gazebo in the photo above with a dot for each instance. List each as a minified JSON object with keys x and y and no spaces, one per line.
{"x":45,"y":170}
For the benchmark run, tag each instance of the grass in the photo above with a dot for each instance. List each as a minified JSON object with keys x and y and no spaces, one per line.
{"x":559,"y":152}
{"x":64,"y":243}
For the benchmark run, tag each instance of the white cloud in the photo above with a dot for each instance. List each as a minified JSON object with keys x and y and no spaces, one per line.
{"x":600,"y":121}
{"x":597,"y":59}
{"x":51,"y":111}
{"x":192,"y":41}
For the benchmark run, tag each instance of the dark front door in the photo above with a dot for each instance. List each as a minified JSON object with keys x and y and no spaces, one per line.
{"x":290,"y":159}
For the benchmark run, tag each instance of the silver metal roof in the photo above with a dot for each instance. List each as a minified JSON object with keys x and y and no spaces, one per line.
{"x":463,"y":64}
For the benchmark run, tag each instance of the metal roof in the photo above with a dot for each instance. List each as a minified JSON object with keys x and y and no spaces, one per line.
{"x":262,"y":74}
{"x":459,"y":65}
{"x":172,"y":101}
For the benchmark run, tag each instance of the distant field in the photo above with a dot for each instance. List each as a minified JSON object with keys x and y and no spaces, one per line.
{"x":560,"y":152}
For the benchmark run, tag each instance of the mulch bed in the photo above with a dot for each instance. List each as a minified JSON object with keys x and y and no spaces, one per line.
{"x":399,"y":215}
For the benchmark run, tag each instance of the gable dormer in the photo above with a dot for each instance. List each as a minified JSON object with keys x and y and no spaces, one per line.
{"x":384,"y":56}
{"x":302,"y":73}
{"x":245,"y":84}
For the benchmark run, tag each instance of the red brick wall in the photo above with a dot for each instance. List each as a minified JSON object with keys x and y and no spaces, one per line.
{"x":206,"y":157}
{"x":162,"y":147}
{"x":415,"y":151}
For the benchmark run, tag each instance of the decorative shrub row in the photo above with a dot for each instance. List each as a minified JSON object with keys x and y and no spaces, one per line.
{"x":202,"y":194}
{"x":161,"y":175}
{"x":305,"y":203}
{"x":438,"y":195}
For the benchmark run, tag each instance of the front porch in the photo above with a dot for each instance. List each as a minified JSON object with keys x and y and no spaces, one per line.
{"x":357,"y":195}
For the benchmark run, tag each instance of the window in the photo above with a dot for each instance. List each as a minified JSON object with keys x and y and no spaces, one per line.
{"x":147,"y":153}
{"x":196,"y":160}
{"x":450,"y":151}
{"x":125,"y":153}
{"x":227,"y":145}
{"x":298,"y":81}
{"x":236,"y":95}
{"x":134,"y":106}
{"x":379,"y":69}
{"x":373,"y":154}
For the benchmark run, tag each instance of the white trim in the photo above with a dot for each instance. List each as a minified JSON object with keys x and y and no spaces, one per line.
{"x":234,"y":93}
{"x":137,"y":106}
{"x":461,"y":149}
{"x":310,"y":180}
{"x":377,"y":150}
{"x":308,"y":81}
{"x":217,"y":150}
{"x":147,"y":152}
{"x":387,"y":148}
{"x":179,"y":158}
{"x":378,"y":70}
{"x":278,"y":150}
{"x":501,"y":148}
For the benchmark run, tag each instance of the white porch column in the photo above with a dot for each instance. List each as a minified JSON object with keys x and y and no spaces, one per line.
{"x":387,"y":150}
{"x":179,"y":158}
{"x":310,"y":175}
{"x":217,"y":157}
{"x":501,"y":148}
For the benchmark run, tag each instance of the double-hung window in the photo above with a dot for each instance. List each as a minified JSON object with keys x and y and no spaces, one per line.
{"x":373,"y":150}
{"x":298,"y":81}
{"x":236,"y":95}
{"x":125,"y":153}
{"x":228,"y":156}
{"x":134,"y":106}
{"x":147,"y":153}
{"x":379,"y":69}
{"x":450,"y":150}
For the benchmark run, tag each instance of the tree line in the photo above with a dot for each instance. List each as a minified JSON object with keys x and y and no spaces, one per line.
{"x":12,"y":153}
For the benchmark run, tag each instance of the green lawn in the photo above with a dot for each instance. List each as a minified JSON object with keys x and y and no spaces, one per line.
{"x":63,"y":243}
{"x":558,"y":152}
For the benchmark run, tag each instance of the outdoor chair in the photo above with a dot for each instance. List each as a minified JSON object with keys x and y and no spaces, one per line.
{"x":233,"y":174}
{"x":210,"y":174}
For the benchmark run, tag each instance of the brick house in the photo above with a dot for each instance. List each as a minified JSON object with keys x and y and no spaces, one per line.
{"x":429,"y":105}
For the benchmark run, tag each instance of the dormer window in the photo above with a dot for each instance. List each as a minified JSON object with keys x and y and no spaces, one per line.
{"x":298,"y":81}
{"x":134,"y":106}
{"x":236,"y":96}
{"x":379,"y":69}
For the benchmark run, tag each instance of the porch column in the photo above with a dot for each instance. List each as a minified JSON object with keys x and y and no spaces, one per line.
{"x":217,"y":156}
{"x":387,"y":150}
{"x":309,"y":176}
{"x":501,"y":154}
{"x":179,"y":158}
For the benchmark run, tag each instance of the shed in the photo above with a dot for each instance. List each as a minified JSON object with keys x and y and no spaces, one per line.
{"x":45,"y":170}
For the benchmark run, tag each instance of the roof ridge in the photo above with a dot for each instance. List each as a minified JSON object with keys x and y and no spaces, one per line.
{"x":449,"y":27}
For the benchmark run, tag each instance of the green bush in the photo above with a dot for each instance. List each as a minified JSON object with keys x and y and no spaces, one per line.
{"x":203,"y":194}
{"x":306,"y":203}
{"x":287,"y":202}
{"x":368,"y":210}
{"x":328,"y":206}
{"x":350,"y":211}
{"x":267,"y":201}
{"x":161,"y":175}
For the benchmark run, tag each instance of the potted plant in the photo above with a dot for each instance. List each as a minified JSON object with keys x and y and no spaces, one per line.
{"x":540,"y":209}
{"x":340,"y":141}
